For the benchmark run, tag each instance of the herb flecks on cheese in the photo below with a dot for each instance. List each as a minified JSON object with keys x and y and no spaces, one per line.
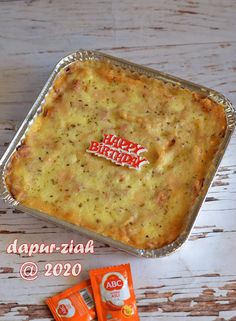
{"x":52,"y":172}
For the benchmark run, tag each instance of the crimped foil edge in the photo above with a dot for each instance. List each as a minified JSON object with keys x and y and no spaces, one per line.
{"x":94,"y":55}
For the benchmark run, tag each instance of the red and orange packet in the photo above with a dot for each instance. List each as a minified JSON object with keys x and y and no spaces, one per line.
{"x":114,"y":293}
{"x":110,"y":287}
{"x":74,"y":304}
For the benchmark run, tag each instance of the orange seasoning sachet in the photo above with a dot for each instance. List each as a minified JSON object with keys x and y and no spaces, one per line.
{"x":114,"y":293}
{"x":74,"y":304}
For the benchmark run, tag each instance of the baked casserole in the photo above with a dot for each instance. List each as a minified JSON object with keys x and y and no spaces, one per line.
{"x":51,"y":170}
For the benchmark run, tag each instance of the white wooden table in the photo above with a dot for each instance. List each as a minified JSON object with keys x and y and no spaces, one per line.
{"x":192,"y":39}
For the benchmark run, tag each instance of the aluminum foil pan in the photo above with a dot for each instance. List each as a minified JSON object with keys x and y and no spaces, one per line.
{"x":83,"y":55}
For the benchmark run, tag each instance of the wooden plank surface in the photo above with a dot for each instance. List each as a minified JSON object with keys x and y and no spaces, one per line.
{"x":188,"y":38}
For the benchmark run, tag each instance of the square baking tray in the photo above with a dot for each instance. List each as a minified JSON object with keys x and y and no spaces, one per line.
{"x":83,"y":55}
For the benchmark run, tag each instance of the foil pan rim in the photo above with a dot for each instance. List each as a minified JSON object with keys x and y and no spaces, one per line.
{"x":35,"y":109}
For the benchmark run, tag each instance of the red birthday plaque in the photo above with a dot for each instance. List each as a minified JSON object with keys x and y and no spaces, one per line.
{"x":119,"y":150}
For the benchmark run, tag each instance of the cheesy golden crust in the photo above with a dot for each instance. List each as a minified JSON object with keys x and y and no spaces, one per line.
{"x":52,"y":172}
